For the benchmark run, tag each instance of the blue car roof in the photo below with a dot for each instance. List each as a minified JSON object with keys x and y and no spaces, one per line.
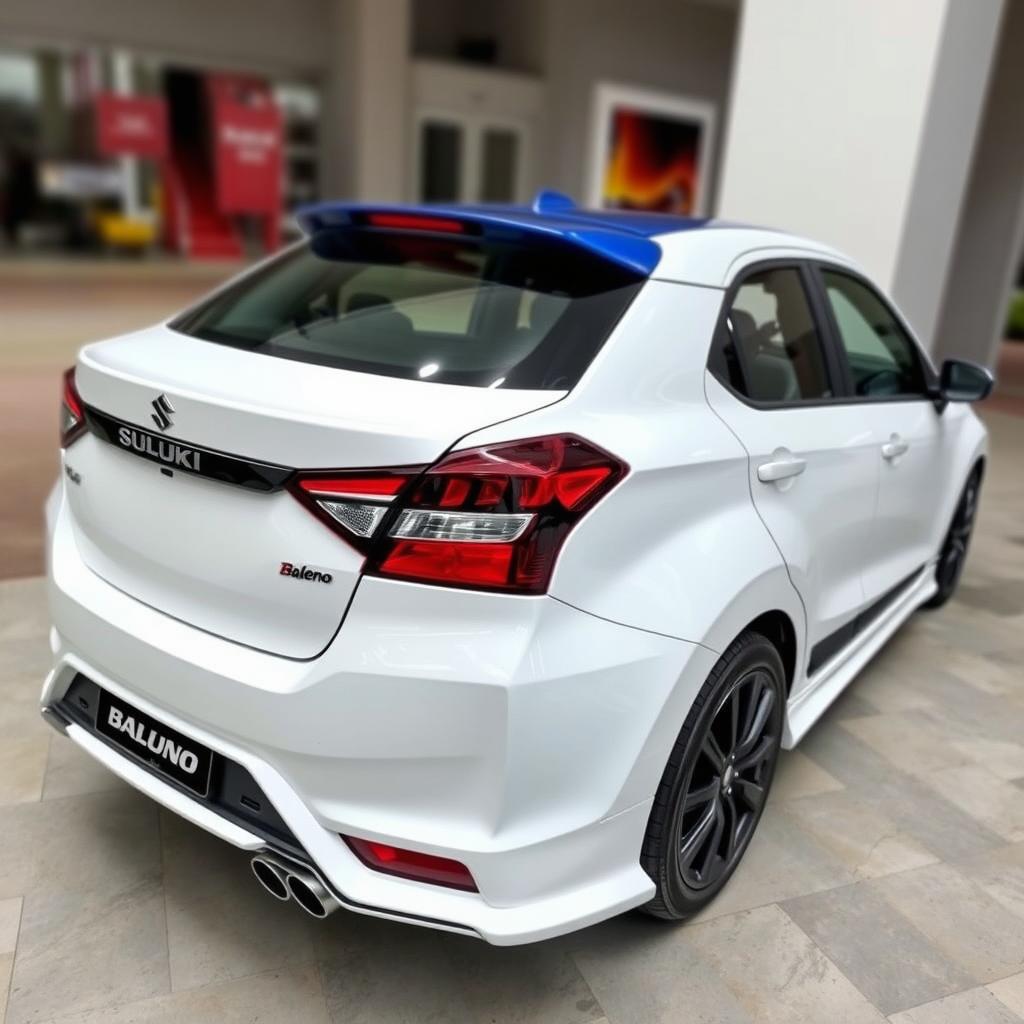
{"x":625,"y":237}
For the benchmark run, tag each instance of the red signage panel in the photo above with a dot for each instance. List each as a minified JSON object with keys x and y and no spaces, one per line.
{"x":248,"y":148}
{"x":131,"y":125}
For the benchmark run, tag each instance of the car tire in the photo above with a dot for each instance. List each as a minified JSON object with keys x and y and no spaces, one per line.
{"x":953,"y":555}
{"x":716,"y":782}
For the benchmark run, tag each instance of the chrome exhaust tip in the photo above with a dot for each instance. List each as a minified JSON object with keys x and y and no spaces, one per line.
{"x":272,"y":876}
{"x":310,"y":894}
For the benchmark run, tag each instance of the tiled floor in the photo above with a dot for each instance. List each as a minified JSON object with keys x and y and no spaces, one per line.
{"x":886,"y":880}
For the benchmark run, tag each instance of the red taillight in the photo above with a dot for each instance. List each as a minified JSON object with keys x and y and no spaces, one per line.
{"x":421,"y":867}
{"x":497,"y":516}
{"x":493,"y":517}
{"x":416,"y":222}
{"x":72,"y":414}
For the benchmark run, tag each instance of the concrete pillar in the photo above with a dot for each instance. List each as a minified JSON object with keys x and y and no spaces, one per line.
{"x":854,"y":122}
{"x":990,"y":238}
{"x":367,"y":118}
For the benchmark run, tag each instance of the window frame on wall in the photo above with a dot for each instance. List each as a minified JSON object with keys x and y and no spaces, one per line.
{"x":473,"y":129}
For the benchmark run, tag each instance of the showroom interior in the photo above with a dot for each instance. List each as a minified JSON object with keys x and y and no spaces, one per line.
{"x":888,"y":881}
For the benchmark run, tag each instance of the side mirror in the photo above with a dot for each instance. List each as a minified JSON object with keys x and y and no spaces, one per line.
{"x":964,"y":381}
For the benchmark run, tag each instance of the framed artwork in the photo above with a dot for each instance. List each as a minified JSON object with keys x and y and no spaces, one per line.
{"x":650,"y":151}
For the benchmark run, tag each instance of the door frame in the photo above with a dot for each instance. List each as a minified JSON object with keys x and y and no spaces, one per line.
{"x":473,"y":126}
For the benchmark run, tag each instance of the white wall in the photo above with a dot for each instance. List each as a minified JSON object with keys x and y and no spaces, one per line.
{"x":680,"y":47}
{"x":853,"y":121}
{"x":990,"y":238}
{"x":272,"y":35}
{"x":828,"y":101}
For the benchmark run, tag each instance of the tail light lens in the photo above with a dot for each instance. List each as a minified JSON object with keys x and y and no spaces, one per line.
{"x":353,"y":504}
{"x":493,"y":518}
{"x":72,"y":415}
{"x":422,"y":867}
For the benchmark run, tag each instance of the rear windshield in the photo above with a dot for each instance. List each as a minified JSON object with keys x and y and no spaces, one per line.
{"x":455,"y":310}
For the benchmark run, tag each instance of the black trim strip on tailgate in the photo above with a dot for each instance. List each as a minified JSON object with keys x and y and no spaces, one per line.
{"x":185,"y":457}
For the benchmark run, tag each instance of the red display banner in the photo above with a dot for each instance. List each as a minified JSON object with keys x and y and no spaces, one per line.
{"x":131,"y":125}
{"x":248,"y":149}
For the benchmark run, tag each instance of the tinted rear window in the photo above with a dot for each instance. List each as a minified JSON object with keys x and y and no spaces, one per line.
{"x":456,"y":310}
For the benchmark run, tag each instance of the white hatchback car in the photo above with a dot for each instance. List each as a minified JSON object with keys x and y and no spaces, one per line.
{"x":470,"y":565}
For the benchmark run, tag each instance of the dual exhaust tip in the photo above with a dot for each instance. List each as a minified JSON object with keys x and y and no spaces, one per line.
{"x":286,"y":881}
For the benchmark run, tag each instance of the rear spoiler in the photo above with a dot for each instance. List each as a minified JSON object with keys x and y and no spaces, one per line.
{"x":549,"y":219}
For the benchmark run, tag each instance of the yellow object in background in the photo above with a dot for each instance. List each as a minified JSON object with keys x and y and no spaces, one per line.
{"x":115,"y":229}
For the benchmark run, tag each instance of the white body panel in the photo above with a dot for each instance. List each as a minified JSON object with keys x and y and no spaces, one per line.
{"x":524,"y":736}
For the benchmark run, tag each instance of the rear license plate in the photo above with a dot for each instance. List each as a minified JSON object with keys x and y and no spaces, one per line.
{"x":167,"y":750}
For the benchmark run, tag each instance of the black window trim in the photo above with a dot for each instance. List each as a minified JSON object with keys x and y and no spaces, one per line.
{"x":836,"y":363}
{"x":931,"y":377}
{"x":837,"y":379}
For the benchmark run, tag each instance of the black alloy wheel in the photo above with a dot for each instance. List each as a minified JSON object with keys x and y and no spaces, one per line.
{"x":953,"y":555}
{"x":727,"y":785}
{"x":717,"y":780}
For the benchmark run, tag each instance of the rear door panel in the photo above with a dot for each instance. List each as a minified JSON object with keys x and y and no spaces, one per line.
{"x":821,"y":520}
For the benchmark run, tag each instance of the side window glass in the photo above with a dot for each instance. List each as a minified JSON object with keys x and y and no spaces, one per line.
{"x":773,"y":351}
{"x":883,"y":360}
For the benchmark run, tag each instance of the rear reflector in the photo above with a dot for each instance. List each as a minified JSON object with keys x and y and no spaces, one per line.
{"x":72,"y":415}
{"x":421,"y":867}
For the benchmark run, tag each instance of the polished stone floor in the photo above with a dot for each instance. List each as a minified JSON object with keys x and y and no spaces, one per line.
{"x":886,"y":880}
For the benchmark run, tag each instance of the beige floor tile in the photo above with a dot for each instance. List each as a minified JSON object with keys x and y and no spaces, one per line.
{"x":985,"y":796}
{"x":975,"y":1006}
{"x":640,"y":971}
{"x":492,"y":983}
{"x":19,"y":698}
{"x":776,"y":972}
{"x":220,"y":923}
{"x":1010,"y":992}
{"x":883,"y":684}
{"x":92,"y":843}
{"x":23,"y":764}
{"x":797,"y":776}
{"x":377,"y":972}
{"x":959,"y":918}
{"x":281,"y":997}
{"x":6,"y":966}
{"x":23,"y":609}
{"x":782,"y":861}
{"x":70,"y":771}
{"x":876,"y":947}
{"x":910,"y":741}
{"x":867,"y":842}
{"x":1000,"y":872}
{"x":10,"y":920}
{"x":983,"y":673}
{"x":85,"y":951}
{"x":1001,"y":757}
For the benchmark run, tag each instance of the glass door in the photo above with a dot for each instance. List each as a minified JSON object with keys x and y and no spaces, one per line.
{"x":469,"y":159}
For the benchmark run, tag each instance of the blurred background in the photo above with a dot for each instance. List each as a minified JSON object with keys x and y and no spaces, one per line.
{"x":150,"y":149}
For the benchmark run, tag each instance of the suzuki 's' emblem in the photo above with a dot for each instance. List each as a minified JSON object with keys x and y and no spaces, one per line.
{"x":162,"y":416}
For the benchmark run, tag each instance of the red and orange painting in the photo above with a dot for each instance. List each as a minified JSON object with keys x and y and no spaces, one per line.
{"x":652,"y":162}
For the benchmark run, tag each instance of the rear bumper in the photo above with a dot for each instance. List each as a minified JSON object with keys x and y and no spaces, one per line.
{"x":518,"y":735}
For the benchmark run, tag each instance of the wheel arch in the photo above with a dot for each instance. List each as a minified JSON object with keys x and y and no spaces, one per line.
{"x":777,"y":627}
